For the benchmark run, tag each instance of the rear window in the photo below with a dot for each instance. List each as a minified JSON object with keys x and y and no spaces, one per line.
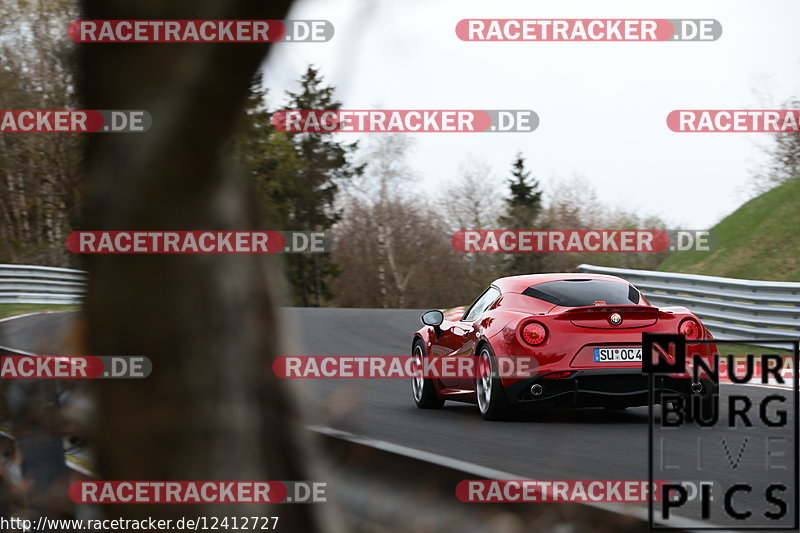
{"x":583,"y":292}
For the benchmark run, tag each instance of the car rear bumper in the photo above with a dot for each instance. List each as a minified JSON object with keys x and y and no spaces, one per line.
{"x":622,"y":387}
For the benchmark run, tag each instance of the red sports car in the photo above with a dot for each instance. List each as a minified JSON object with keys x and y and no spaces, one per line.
{"x":582,"y":332}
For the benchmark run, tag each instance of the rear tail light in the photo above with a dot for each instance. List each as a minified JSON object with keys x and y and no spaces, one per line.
{"x":557,"y":375}
{"x":534,"y":333}
{"x":690,"y":329}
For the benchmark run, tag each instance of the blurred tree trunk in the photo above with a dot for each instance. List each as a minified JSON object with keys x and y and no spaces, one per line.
{"x":212,"y":409}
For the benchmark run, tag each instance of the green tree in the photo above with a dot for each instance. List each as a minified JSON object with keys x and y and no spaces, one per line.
{"x":523,"y":207}
{"x":297,"y":176}
{"x":326,"y":162}
{"x":525,"y":202}
{"x":267,"y":156}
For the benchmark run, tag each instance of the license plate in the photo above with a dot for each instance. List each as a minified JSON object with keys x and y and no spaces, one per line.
{"x":617,"y":355}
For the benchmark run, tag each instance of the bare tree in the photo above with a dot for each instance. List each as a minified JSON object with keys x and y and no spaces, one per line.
{"x":387,"y":173}
{"x":474,"y":200}
{"x":783,"y":159}
{"x":422,"y":269}
{"x":39,"y":172}
{"x":573,"y":204}
{"x":385,"y":180}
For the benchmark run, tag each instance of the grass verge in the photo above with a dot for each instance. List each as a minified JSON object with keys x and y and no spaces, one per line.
{"x":757,"y":241}
{"x":7,"y":310}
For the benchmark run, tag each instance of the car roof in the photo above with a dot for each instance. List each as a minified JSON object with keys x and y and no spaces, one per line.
{"x":520,"y":283}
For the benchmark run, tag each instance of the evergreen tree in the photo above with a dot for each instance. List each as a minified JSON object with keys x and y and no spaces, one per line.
{"x":523,"y":206}
{"x":297,"y":176}
{"x":268,"y":157}
{"x":326,"y":162}
{"x":525,"y":202}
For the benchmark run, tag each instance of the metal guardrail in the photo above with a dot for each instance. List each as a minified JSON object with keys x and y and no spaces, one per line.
{"x":735,"y":309}
{"x":31,"y":284}
{"x":387,"y":487}
{"x":730,"y":308}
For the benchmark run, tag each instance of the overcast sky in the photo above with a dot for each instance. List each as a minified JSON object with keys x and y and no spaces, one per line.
{"x":602,"y":106}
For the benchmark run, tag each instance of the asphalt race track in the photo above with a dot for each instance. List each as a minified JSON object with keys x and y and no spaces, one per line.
{"x":542,"y":445}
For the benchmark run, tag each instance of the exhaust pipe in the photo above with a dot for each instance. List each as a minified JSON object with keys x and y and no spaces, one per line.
{"x":537,"y":389}
{"x":697,"y":387}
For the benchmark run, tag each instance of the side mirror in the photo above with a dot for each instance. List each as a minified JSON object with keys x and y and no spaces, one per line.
{"x":433,"y":318}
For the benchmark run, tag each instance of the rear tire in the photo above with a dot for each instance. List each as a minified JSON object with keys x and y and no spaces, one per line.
{"x":421,"y":387}
{"x":492,"y":401}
